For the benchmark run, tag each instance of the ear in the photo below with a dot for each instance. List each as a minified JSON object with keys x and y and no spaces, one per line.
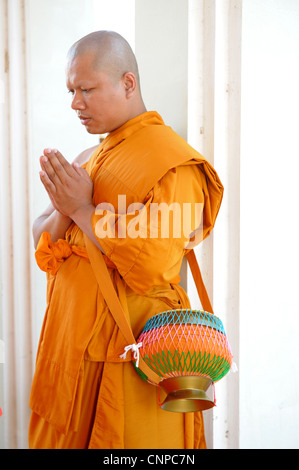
{"x":130,"y":83}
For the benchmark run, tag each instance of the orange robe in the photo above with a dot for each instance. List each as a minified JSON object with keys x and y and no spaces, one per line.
{"x":83,"y":394}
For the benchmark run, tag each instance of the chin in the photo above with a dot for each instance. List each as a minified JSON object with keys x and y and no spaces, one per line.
{"x":96,"y":130}
{"x":92,"y":131}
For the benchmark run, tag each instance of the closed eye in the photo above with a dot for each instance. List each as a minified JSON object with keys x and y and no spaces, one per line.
{"x":83,"y":90}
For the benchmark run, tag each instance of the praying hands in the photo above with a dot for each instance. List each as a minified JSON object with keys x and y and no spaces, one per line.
{"x":68,"y":185}
{"x":70,"y":190}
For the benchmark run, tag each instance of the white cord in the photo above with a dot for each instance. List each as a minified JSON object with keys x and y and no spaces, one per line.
{"x":135,"y":348}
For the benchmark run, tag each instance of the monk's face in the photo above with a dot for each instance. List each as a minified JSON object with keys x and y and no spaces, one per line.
{"x":99,"y":101}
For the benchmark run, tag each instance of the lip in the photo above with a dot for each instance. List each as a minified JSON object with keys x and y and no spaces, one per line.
{"x":84,"y":120}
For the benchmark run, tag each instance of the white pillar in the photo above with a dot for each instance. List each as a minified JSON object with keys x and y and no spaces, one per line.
{"x":7,"y":402}
{"x":201,"y":84}
{"x":214,"y":129}
{"x":15,"y":245}
{"x":227,"y":230}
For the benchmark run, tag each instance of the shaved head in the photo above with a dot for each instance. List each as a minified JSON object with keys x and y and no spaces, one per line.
{"x":112,"y":54}
{"x":102,"y":77}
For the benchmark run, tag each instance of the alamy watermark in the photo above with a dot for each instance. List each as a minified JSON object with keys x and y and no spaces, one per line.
{"x":153,"y":220}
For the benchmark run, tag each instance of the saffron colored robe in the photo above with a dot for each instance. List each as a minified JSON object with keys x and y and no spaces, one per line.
{"x":83,"y":394}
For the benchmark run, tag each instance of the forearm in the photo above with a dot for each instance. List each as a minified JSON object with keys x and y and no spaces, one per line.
{"x":53,"y":222}
{"x":82,"y":217}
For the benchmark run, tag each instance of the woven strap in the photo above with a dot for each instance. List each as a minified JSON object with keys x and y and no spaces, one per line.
{"x":109,"y":293}
{"x":201,"y":289}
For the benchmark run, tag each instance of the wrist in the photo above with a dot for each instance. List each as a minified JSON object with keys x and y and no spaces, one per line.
{"x":63,"y":217}
{"x":82,"y":218}
{"x":82,"y":213}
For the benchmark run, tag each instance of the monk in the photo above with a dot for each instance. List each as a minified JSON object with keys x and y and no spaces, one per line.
{"x":85,"y":391}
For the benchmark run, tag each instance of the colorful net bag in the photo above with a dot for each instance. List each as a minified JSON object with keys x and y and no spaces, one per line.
{"x":189,"y":350}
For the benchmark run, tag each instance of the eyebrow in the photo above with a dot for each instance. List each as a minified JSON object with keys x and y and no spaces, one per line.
{"x":83,"y":85}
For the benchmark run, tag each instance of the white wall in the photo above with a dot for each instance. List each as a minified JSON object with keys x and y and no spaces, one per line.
{"x":161,"y":36}
{"x":269,"y":312}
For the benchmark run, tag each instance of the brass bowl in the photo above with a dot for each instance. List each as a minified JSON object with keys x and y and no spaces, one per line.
{"x":186,"y":394}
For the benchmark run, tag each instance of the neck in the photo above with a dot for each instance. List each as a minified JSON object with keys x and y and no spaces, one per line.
{"x":135,"y":110}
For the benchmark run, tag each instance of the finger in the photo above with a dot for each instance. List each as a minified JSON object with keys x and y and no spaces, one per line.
{"x":41,"y":162}
{"x":54,"y":168}
{"x":50,"y":188}
{"x":58,"y":159}
{"x":47,"y":182}
{"x":49,"y":170}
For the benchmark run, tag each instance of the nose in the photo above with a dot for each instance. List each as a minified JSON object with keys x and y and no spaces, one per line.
{"x":77,"y":101}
